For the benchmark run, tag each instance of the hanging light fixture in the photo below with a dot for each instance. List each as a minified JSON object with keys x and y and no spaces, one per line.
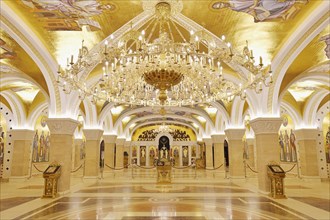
{"x":166,"y":72}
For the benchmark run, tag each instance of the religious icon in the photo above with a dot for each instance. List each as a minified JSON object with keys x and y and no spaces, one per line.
{"x":293,"y":146}
{"x":262,"y":10}
{"x":35,"y":147}
{"x":134,"y":151}
{"x":281,"y":142}
{"x":287,"y":146}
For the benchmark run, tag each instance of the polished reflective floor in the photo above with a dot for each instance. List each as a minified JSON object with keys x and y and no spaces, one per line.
{"x":192,"y":195}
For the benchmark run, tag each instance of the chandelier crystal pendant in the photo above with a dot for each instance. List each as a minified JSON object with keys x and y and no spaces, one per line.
{"x":165,"y":71}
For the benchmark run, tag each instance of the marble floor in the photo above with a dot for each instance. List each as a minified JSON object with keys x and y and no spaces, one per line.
{"x":192,"y":195}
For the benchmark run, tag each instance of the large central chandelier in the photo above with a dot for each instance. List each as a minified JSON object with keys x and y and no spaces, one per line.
{"x":165,"y":72}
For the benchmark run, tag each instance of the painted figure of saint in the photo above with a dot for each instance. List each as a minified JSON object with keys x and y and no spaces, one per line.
{"x":185,"y":152}
{"x":262,"y":10}
{"x":193,"y":151}
{"x":47,"y":147}
{"x":74,"y":8}
{"x":143,"y":153}
{"x":152,"y":153}
{"x":42,"y":147}
{"x":134,"y":152}
{"x":35,"y":147}
{"x":293,"y":146}
{"x":281,"y":142}
{"x":287,"y":146}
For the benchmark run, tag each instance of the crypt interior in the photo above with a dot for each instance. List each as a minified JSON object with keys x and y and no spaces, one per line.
{"x":164,"y":109}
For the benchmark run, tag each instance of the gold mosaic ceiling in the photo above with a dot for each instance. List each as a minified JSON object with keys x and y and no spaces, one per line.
{"x":62,"y":24}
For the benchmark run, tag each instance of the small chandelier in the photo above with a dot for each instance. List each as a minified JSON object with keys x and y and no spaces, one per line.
{"x":164,"y":72}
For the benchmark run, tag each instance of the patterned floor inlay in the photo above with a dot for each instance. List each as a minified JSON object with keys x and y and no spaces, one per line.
{"x":316,"y":202}
{"x":235,"y":208}
{"x":15,"y":201}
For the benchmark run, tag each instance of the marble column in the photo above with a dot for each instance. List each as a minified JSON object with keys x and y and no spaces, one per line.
{"x":109,"y":149}
{"x":219,"y":157}
{"x":22,"y":141}
{"x":77,"y":145}
{"x":266,"y":137}
{"x":236,"y":149}
{"x":120,"y":144}
{"x":251,"y":144}
{"x":61,"y":143}
{"x":306,"y":139}
{"x":92,"y":152}
{"x":209,"y":153}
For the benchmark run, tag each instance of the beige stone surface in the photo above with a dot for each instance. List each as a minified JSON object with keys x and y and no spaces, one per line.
{"x":22,"y":152}
{"x":235,"y":148}
{"x":92,"y":152}
{"x":306,"y":139}
{"x":61,"y":142}
{"x":266,"y":133}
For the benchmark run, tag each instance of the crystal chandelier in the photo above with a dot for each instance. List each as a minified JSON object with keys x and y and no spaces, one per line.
{"x":163,"y":128}
{"x":165,"y":72}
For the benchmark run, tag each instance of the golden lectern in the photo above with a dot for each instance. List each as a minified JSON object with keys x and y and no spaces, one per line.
{"x":164,"y":170}
{"x":51,"y":175}
{"x":276,"y":175}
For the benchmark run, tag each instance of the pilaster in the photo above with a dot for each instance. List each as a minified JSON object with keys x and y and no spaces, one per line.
{"x":266,"y":136}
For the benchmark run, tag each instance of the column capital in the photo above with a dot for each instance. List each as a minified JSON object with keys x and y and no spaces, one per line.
{"x":22,"y":134}
{"x":306,"y":134}
{"x":120,"y":141}
{"x":218,"y":138}
{"x":235,"y":133}
{"x":266,"y":125}
{"x":207,"y":141}
{"x":93,"y":134}
{"x":110,"y":138}
{"x":62,"y":125}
